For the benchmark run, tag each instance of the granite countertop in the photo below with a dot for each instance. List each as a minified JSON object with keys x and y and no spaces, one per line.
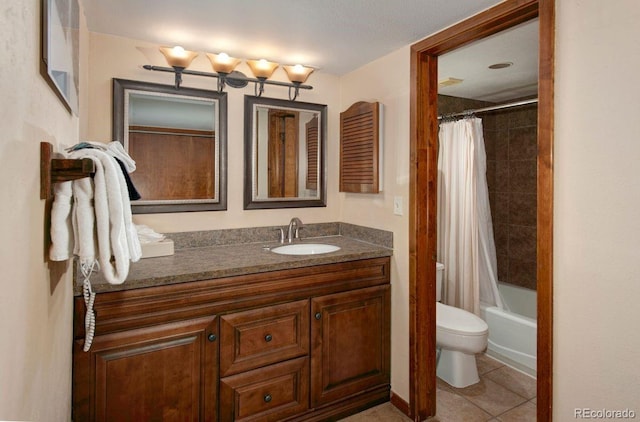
{"x":216,"y":261}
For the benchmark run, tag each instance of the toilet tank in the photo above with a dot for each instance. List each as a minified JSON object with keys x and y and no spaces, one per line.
{"x":439,"y":280}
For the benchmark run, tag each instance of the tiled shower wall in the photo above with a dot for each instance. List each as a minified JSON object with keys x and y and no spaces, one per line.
{"x":511,"y":145}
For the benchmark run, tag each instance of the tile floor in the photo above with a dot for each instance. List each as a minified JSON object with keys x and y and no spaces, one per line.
{"x":503,"y":394}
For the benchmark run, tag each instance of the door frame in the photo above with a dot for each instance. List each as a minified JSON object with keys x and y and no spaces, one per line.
{"x":422,"y":195}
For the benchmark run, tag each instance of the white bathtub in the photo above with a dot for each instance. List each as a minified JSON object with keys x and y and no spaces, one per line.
{"x":513,"y":332}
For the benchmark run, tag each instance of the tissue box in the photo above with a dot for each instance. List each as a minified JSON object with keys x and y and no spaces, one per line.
{"x":155,"y":249}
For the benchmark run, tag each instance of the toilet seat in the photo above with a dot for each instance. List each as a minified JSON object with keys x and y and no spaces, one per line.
{"x":458,"y":321}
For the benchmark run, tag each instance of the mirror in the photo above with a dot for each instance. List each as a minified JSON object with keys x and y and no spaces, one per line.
{"x":178,"y":139}
{"x":284,"y":153}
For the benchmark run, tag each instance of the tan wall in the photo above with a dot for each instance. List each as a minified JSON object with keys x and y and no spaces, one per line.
{"x":117,"y":57}
{"x":387,"y":80}
{"x":597,"y":196}
{"x":35,"y":299}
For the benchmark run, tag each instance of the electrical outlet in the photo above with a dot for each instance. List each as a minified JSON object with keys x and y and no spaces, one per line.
{"x":397,"y":205}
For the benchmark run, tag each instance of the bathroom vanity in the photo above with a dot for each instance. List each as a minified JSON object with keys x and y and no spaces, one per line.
{"x":264,"y":337}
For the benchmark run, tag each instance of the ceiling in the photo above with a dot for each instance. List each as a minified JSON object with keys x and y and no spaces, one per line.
{"x":517,"y":45}
{"x":334,"y":36}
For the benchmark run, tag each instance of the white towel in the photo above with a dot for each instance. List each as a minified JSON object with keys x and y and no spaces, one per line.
{"x":61,"y":245}
{"x":107,"y":222}
{"x":115,"y":149}
{"x":83,"y":221}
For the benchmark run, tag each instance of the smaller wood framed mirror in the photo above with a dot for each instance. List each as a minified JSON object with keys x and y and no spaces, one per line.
{"x":178,"y":139}
{"x":284,"y":153}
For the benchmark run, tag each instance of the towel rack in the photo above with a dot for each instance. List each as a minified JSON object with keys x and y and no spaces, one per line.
{"x":54,"y":170}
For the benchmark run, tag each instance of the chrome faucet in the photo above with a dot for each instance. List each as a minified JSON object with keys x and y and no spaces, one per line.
{"x":294,"y":226}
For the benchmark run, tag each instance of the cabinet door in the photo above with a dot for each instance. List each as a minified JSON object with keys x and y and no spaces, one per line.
{"x":161,"y":373}
{"x":349,"y":343}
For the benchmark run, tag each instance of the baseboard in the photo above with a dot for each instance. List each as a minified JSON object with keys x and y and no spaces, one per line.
{"x":399,"y":403}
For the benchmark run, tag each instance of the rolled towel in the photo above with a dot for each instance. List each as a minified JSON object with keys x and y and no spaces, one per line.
{"x":147,"y":235}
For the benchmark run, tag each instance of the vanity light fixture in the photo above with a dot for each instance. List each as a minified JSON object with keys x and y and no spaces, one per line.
{"x":224,"y":66}
{"x":179,"y":59}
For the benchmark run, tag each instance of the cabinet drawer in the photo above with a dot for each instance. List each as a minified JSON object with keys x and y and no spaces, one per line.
{"x":267,"y":394}
{"x":260,"y":337}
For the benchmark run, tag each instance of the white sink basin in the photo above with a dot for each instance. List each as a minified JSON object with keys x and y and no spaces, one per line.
{"x":305,"y":249}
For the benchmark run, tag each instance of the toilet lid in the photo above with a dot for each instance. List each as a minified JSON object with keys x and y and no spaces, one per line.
{"x":459,"y":321}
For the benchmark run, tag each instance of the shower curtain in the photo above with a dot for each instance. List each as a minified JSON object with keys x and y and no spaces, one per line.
{"x":465,"y":232}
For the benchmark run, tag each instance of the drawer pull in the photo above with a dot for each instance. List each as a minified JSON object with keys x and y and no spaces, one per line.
{"x":318,"y":315}
{"x":268,"y":338}
{"x":212,"y":337}
{"x":267,"y":398}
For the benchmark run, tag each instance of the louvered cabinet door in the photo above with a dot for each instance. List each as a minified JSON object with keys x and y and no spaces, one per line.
{"x":312,"y":133}
{"x":359,"y":148}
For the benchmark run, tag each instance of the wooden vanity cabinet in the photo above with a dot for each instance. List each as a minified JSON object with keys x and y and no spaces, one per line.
{"x":301,"y":344}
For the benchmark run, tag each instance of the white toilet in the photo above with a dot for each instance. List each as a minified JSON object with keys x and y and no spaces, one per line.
{"x":459,"y":336}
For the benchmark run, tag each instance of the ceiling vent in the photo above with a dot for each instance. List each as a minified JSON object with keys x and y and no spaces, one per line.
{"x":449,"y":81}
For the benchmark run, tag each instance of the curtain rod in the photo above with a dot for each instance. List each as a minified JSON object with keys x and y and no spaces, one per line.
{"x":490,"y":108}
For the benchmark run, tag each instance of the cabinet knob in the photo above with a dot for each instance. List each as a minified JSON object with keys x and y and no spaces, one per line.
{"x":318,"y":315}
{"x":212,"y":337}
{"x":268,"y":338}
{"x":267,"y":398}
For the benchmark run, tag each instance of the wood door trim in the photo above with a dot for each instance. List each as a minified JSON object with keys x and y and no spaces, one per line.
{"x":422,"y":202}
{"x":544,"y":269}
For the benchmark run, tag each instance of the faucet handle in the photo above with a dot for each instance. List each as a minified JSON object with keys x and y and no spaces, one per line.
{"x":297,"y":233}
{"x":281,"y":234}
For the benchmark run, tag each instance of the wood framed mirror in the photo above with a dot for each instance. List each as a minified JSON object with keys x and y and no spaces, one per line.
{"x":284,"y":153}
{"x":178,"y":138}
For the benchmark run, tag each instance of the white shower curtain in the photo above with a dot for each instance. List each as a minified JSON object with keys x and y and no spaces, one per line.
{"x":465,"y":232}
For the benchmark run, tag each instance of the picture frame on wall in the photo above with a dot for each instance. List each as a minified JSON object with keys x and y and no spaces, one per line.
{"x":60,"y":49}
